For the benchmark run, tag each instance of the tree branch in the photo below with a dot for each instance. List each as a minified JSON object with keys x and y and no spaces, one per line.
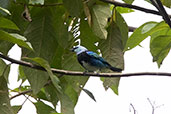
{"x":74,"y":73}
{"x":133,"y":7}
{"x":162,"y":11}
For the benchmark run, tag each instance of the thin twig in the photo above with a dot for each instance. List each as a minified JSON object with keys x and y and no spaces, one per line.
{"x":132,"y":7}
{"x":21,"y":93}
{"x":133,"y":108}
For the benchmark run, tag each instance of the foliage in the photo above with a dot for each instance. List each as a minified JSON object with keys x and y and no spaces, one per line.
{"x":46,"y":30}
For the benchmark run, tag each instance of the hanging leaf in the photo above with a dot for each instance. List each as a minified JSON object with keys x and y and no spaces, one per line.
{"x":100,"y":15}
{"x":8,"y":24}
{"x":43,"y":108}
{"x":90,"y":94}
{"x":160,"y":47}
{"x":143,"y":32}
{"x":74,"y":7}
{"x":5,"y":107}
{"x":16,"y":39}
{"x":46,"y":66}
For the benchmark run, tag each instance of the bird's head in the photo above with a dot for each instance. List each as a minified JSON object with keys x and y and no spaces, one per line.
{"x":78,"y":49}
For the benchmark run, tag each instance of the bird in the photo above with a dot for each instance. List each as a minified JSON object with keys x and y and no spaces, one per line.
{"x":91,"y":61}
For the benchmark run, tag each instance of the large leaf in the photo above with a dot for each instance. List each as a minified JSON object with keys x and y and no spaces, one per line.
{"x":42,"y":36}
{"x":122,"y":25}
{"x":43,"y":108}
{"x":5,"y":107}
{"x":46,"y":66}
{"x":143,"y":32}
{"x":100,"y":15}
{"x":36,"y":78}
{"x":74,"y":7}
{"x":112,"y":51}
{"x":16,"y":39}
{"x":160,"y":47}
{"x":52,"y":94}
{"x":5,"y":23}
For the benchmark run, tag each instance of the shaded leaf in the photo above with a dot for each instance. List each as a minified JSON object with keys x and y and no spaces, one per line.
{"x":42,"y":108}
{"x":67,"y":106}
{"x":46,"y":66}
{"x":4,"y":70}
{"x":88,"y":38}
{"x":90,"y":94}
{"x":74,"y":7}
{"x":8,"y":24}
{"x":16,"y":108}
{"x":5,"y":107}
{"x":52,"y":94}
{"x":112,"y":51}
{"x":160,"y":47}
{"x":15,"y":38}
{"x":100,"y":15}
{"x":36,"y":78}
{"x":5,"y":46}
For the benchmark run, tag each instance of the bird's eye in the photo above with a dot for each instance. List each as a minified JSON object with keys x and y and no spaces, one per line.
{"x":75,"y":48}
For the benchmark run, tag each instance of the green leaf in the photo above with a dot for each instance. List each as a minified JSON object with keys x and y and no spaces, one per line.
{"x":112,"y":51}
{"x":45,"y":65}
{"x":112,"y":83}
{"x":5,"y":10}
{"x":100,"y":15}
{"x":128,"y":1}
{"x":4,"y":70}
{"x":122,"y":25}
{"x":74,"y":7}
{"x":166,"y":3}
{"x":88,"y":38}
{"x":36,"y":2}
{"x":143,"y":32}
{"x":90,"y":94}
{"x":5,"y":46}
{"x":52,"y":94}
{"x":41,"y":34}
{"x":36,"y":78}
{"x":16,"y":39}
{"x":16,"y":108}
{"x":42,"y":108}
{"x":124,"y":10}
{"x":8,"y":24}
{"x":5,"y":107}
{"x":160,"y":47}
{"x":67,"y":106}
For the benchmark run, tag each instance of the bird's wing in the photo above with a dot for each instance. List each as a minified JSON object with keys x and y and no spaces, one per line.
{"x":95,"y":56}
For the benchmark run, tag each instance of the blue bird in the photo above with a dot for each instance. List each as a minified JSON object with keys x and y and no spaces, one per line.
{"x":91,"y":61}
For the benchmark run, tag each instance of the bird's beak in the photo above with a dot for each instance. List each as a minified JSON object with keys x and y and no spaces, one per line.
{"x":72,"y":49}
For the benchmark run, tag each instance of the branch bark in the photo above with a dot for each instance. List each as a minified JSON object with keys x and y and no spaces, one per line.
{"x":162,"y":11}
{"x":133,"y":7}
{"x":75,"y":73}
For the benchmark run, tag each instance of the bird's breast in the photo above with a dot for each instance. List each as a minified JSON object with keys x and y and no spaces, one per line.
{"x":88,"y":66}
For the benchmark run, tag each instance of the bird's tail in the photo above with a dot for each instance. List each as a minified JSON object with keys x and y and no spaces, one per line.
{"x":115,"y":69}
